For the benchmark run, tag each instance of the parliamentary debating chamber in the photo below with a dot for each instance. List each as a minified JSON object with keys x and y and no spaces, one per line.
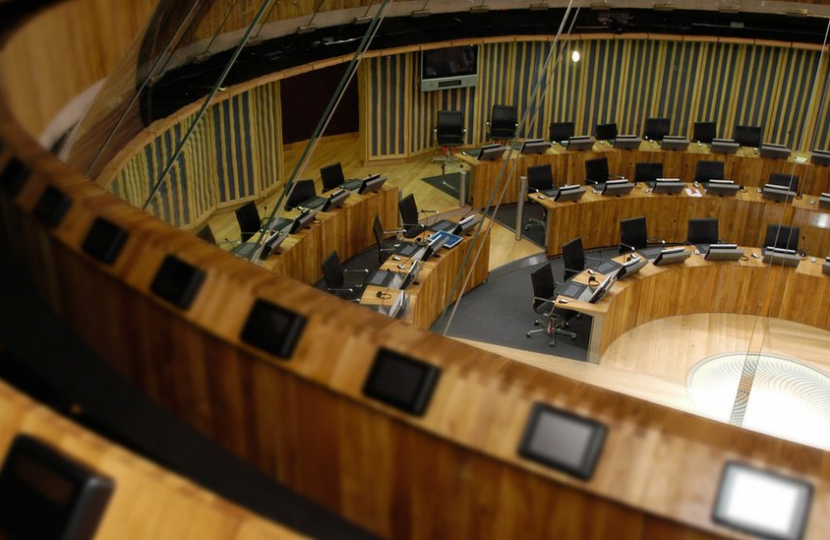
{"x":414,"y":269}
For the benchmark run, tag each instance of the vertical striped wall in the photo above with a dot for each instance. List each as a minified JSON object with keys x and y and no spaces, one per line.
{"x":235,"y":153}
{"x":623,"y":81}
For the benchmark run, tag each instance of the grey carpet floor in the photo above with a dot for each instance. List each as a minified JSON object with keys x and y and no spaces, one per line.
{"x":448,"y":183}
{"x":507,"y":217}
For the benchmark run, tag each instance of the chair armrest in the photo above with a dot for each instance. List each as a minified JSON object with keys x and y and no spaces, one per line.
{"x":655,"y":240}
{"x":364,"y":270}
{"x":616,"y":177}
{"x":351,"y":290}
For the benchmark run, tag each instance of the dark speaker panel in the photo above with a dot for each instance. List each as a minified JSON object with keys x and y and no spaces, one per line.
{"x":273,"y":329}
{"x":104,"y":241}
{"x":402,"y":382}
{"x":52,"y":206}
{"x":14,"y":176}
{"x":177,"y":282}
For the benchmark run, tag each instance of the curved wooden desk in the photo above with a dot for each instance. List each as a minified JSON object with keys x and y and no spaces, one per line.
{"x":742,"y":219}
{"x":746,"y":287}
{"x":430,"y":294}
{"x":348,"y":230}
{"x":744,"y":167}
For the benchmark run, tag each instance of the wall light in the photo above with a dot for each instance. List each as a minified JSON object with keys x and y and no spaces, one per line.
{"x":575,"y":56}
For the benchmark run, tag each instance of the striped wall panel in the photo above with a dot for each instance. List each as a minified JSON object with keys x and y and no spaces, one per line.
{"x":234,"y":153}
{"x":622,"y":81}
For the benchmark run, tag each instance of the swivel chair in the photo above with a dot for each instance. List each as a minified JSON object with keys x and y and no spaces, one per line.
{"x":656,"y":128}
{"x":409,"y":216}
{"x":503,"y":122}
{"x":596,"y":171}
{"x":606,"y":132}
{"x":561,"y":131}
{"x":304,"y":195}
{"x":384,"y":251}
{"x":789,"y":181}
{"x":543,"y":304}
{"x":332,"y":176}
{"x":705,"y":132}
{"x":250,"y":223}
{"x":450,"y":133}
{"x":782,"y":237}
{"x":702,"y":232}
{"x":539,"y":178}
{"x":634,"y":235}
{"x":707,"y":170}
{"x":342,"y":282}
{"x":648,"y":172}
{"x":573,"y":255}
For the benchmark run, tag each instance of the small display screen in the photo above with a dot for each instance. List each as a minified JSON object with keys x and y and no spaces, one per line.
{"x":449,"y":62}
{"x":402,"y":382}
{"x":762,"y":503}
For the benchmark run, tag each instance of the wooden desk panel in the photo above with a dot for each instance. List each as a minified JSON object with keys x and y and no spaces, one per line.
{"x":348,"y":230}
{"x":745,"y":167}
{"x":430,"y":294}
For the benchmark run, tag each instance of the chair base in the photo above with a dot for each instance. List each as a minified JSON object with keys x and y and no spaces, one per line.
{"x":552,"y":329}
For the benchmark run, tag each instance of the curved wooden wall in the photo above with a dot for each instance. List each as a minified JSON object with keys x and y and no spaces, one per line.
{"x":148,"y":502}
{"x":304,"y":419}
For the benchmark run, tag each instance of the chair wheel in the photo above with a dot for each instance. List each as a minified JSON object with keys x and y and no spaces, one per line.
{"x":573,"y":338}
{"x":527,"y":335}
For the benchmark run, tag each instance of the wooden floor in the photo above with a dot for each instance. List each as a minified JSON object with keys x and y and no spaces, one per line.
{"x":407,"y":176}
{"x":652,"y":361}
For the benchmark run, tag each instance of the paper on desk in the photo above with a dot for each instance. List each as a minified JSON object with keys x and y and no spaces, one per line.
{"x":693,"y":192}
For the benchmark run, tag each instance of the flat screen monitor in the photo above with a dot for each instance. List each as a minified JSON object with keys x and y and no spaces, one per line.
{"x":581,"y":143}
{"x":336,"y":200}
{"x":824,"y":201}
{"x":306,"y":217}
{"x":762,"y":503}
{"x":466,"y":224}
{"x":781,"y":256}
{"x":630,"y":267}
{"x":569,"y":193}
{"x":491,"y":152}
{"x":722,"y":188}
{"x":748,"y":136}
{"x":561,"y":131}
{"x":434,"y":245}
{"x":45,"y":494}
{"x":271,"y":245}
{"x":401,"y":381}
{"x":656,"y":128}
{"x":600,"y":292}
{"x":535,"y":146}
{"x":672,"y":256}
{"x":705,"y":132}
{"x":449,"y":67}
{"x":668,"y":186}
{"x":606,"y":132}
{"x":617,"y":188}
{"x":723,"y":252}
{"x":777,"y":193}
{"x":562,"y":440}
{"x":371,"y":183}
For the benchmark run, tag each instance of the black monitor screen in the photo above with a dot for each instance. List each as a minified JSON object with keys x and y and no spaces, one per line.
{"x":449,"y":62}
{"x":748,"y":136}
{"x":562,"y":440}
{"x":402,"y":382}
{"x":561,"y":131}
{"x":606,"y":132}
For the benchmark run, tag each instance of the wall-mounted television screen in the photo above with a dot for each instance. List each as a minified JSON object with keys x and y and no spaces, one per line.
{"x":449,"y":67}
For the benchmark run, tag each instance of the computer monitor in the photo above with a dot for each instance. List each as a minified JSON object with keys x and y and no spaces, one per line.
{"x":669,"y":186}
{"x":723,"y":252}
{"x":332,"y":176}
{"x":562,"y":440}
{"x":705,"y":132}
{"x":747,"y":136}
{"x":583,"y":142}
{"x":306,"y":217}
{"x":491,"y":152}
{"x":600,"y":292}
{"x":434,"y":245}
{"x":569,"y":193}
{"x":656,"y":128}
{"x":617,"y":188}
{"x":535,"y":146}
{"x":371,"y":183}
{"x":781,"y":256}
{"x":762,"y":503}
{"x":776,"y":193}
{"x":722,"y":188}
{"x":466,"y":224}
{"x":335,"y":200}
{"x":606,"y":132}
{"x":634,"y":264}
{"x":561,"y":131}
{"x":672,"y":256}
{"x":272,"y":243}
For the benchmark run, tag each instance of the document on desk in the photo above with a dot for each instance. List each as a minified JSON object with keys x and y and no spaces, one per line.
{"x":693,"y":192}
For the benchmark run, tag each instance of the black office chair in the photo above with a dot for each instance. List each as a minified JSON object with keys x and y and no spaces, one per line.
{"x":656,"y":128}
{"x":705,"y":132}
{"x":606,"y":132}
{"x":503,"y":122}
{"x":409,"y":215}
{"x":332,"y":176}
{"x":573,"y":255}
{"x":449,"y":133}
{"x":249,"y":221}
{"x":304,"y":195}
{"x":782,"y":237}
{"x":748,"y":135}
{"x":789,"y":181}
{"x":539,"y":178}
{"x":561,"y":131}
{"x":384,"y":248}
{"x":703,"y":232}
{"x":648,"y":172}
{"x":342,"y":282}
{"x":634,"y":235}
{"x":206,"y":234}
{"x":596,"y":171}
{"x":544,"y":291}
{"x":707,"y":170}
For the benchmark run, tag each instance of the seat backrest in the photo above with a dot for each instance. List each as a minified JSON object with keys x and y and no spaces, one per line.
{"x":377,"y":230}
{"x":596,"y":170}
{"x":648,"y":171}
{"x":409,"y":211}
{"x":748,"y":135}
{"x":540,"y":177}
{"x":656,"y":128}
{"x":703,"y":231}
{"x":303,"y":191}
{"x":248,"y":218}
{"x":450,"y":128}
{"x":561,"y":131}
{"x":782,"y":236}
{"x":333,"y":272}
{"x":573,"y":255}
{"x":789,"y":181}
{"x":705,"y":132}
{"x":633,"y":232}
{"x":606,"y":132}
{"x":503,"y":120}
{"x":543,"y":285}
{"x":332,"y":176}
{"x":206,"y":234}
{"x":707,"y":170}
